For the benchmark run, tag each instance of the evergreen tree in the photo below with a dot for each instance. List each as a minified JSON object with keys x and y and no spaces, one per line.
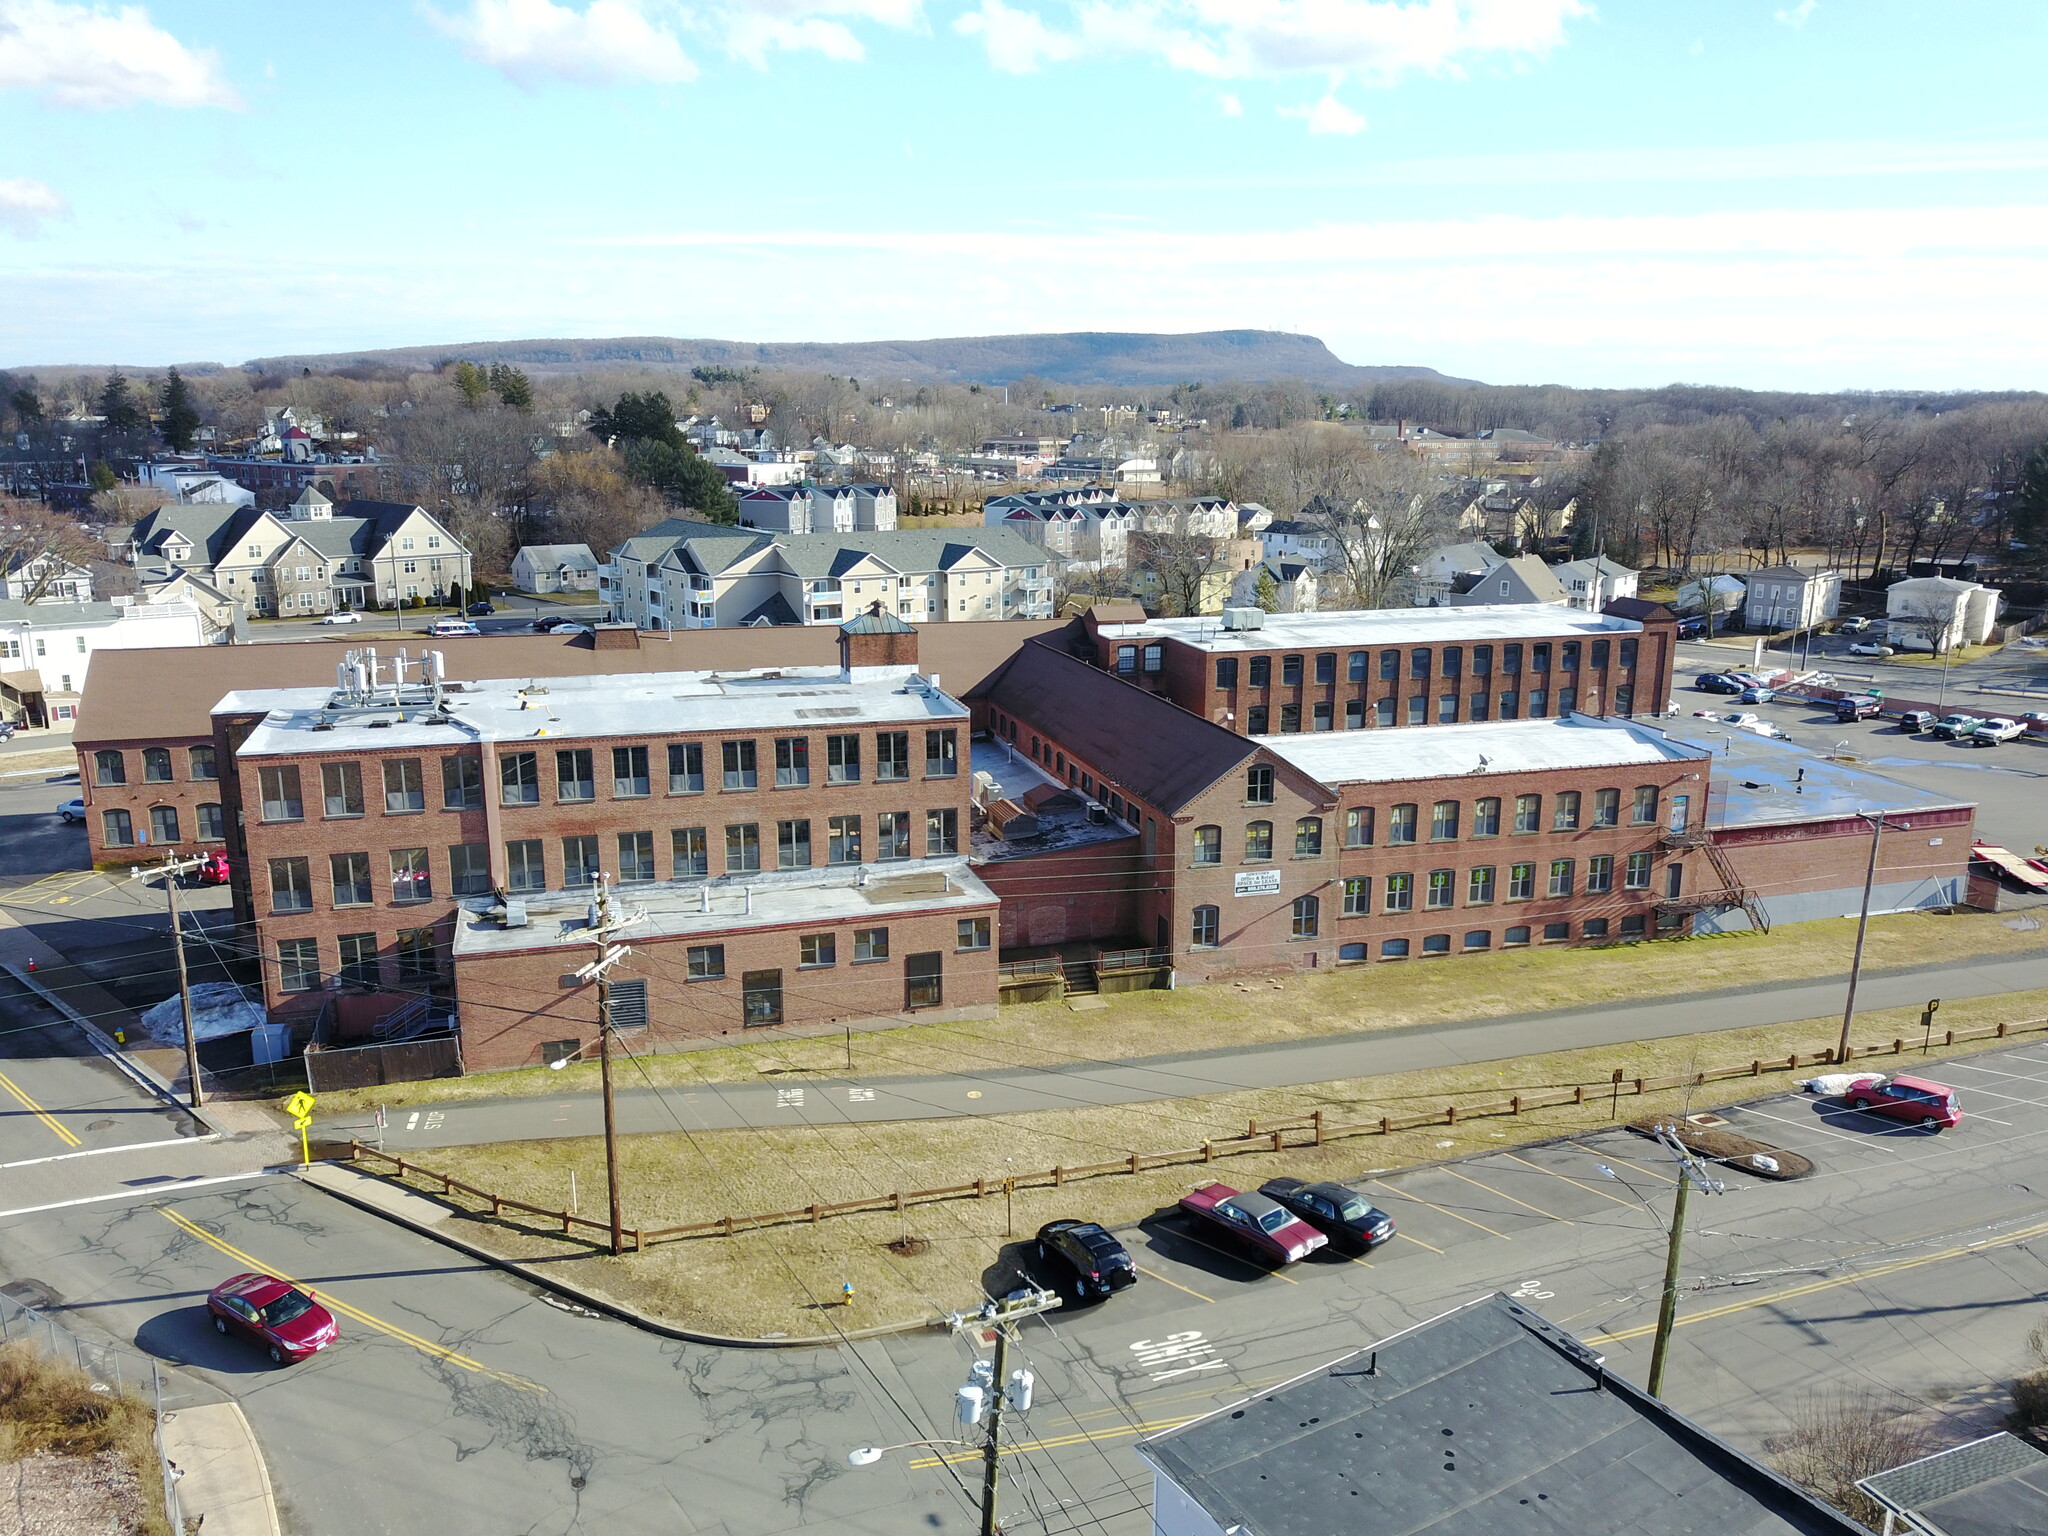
{"x":27,"y":408}
{"x":117,"y":404}
{"x":473,"y":382}
{"x":512,"y":385}
{"x":181,"y":417}
{"x":647,"y":418}
{"x":1269,"y":591}
{"x":101,"y":476}
{"x":681,"y":474}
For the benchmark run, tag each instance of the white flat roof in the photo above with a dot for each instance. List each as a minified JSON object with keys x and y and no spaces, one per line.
{"x":627,"y":704}
{"x":1382,"y":626}
{"x":1508,"y":746}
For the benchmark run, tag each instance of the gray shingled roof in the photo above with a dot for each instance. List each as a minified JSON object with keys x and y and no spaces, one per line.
{"x":1997,"y":1486}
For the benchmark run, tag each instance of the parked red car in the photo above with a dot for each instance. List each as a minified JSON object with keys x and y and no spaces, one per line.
{"x":275,"y":1313}
{"x":1257,"y":1222}
{"x":213,"y":870}
{"x":1928,"y":1105}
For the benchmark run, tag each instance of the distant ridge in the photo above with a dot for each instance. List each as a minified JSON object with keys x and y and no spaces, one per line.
{"x":1071,"y":357}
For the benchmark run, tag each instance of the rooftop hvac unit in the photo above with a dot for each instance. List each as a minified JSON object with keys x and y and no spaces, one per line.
{"x":1011,"y":821}
{"x":984,"y":788}
{"x":1244,"y":618}
{"x":1098,"y":815}
{"x":515,"y":914}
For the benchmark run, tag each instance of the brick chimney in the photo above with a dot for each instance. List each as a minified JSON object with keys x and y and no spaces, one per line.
{"x":876,"y":638}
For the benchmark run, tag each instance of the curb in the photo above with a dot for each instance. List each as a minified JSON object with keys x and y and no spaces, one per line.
{"x":591,"y":1301}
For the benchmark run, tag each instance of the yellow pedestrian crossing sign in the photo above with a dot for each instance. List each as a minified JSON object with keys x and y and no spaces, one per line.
{"x":299,"y":1106}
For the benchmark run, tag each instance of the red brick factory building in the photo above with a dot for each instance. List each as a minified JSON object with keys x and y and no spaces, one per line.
{"x":925,"y":824}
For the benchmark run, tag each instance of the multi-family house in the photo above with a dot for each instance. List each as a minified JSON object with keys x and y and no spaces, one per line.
{"x":46,"y":648}
{"x":1593,"y":583}
{"x":1524,"y":579}
{"x":303,"y":560}
{"x":814,"y":508}
{"x":1292,"y":586}
{"x":1438,"y":574}
{"x":1939,"y":613}
{"x":46,"y":578}
{"x":1786,"y":597}
{"x":555,"y":568}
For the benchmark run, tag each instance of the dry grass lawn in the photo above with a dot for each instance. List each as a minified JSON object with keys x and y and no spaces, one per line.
{"x":83,"y":1460}
{"x":786,"y":1280}
{"x":1292,"y":1005}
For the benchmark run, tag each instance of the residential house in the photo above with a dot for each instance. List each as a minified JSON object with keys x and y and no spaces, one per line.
{"x":47,"y":578}
{"x":1726,"y":592}
{"x":1524,"y":579}
{"x":1994,"y":1486}
{"x":1593,"y":584}
{"x":1438,"y":574}
{"x":1295,"y":585}
{"x":555,"y":568}
{"x":1939,"y":613}
{"x":195,"y":483}
{"x":814,"y":508}
{"x":1289,"y":539}
{"x":1786,"y":597}
{"x":46,"y":649}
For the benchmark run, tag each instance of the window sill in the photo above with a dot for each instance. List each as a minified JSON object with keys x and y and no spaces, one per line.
{"x":805,"y":784}
{"x":877,"y":960}
{"x":415,"y":810}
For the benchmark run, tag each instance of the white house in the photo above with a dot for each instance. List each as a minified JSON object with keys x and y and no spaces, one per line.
{"x":1288,"y":539}
{"x":555,"y":568}
{"x":1295,"y":587}
{"x":1939,"y":613}
{"x":1438,"y":574}
{"x":47,"y":578}
{"x":1785,"y":597}
{"x":1728,"y":592}
{"x":810,"y":508}
{"x":192,"y":483}
{"x":1592,"y":584}
{"x":45,"y":648}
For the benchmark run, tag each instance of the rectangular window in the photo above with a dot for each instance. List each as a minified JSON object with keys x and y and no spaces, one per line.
{"x":1447,"y":709}
{"x":971,"y":933}
{"x":923,"y":980}
{"x":1326,"y":667}
{"x":1205,"y":930}
{"x":817,"y":950}
{"x":1418,"y":663}
{"x":1482,"y":661}
{"x":579,"y":861}
{"x":573,"y":775}
{"x":1636,"y":873}
{"x":1390,"y":666}
{"x":636,"y":858}
{"x":1452,"y":661}
{"x":1290,"y":671}
{"x":1539,"y":657}
{"x":1554,"y":933}
{"x":291,"y":886}
{"x":1606,"y":807}
{"x":279,"y":790}
{"x":1355,"y":667}
{"x":1593,"y":928}
{"x":163,"y":824}
{"x":1479,"y":886}
{"x":1255,"y":720}
{"x":519,"y":778}
{"x":892,"y":756}
{"x":1393,"y":949}
{"x":411,"y":876}
{"x":738,"y":762}
{"x":1226,"y":672}
{"x":843,"y":840}
{"x":1560,"y":877}
{"x":1627,"y":653}
{"x":792,"y":761}
{"x":1418,"y":710}
{"x":1599,"y":657}
{"x":1308,"y":837}
{"x":629,"y":773}
{"x":298,"y":965}
{"x":525,"y":866}
{"x":1564,"y":811}
{"x":892,"y":836}
{"x":1442,"y":887}
{"x":1383,"y":711}
{"x":203,"y":763}
{"x":942,"y":754}
{"x":462,"y":783}
{"x":469,"y":869}
{"x":842,"y":759}
{"x":1258,"y":785}
{"x":358,"y":959}
{"x":1258,"y":841}
{"x":1354,"y":714}
{"x":1290,"y":719}
{"x":1400,"y":894}
{"x":1155,"y":657}
{"x":870,"y":944}
{"x":705,"y":962}
{"x":1478,"y":708}
{"x":1528,"y":813}
{"x":341,"y":789}
{"x":690,"y":852}
{"x":1625,"y":700}
{"x":1261,"y":671}
{"x":793,"y":844}
{"x":1443,"y":821}
{"x":1358,"y":827}
{"x":1511,"y":706}
{"x":941,"y":832}
{"x":1357,"y":898}
{"x":1568,"y":656}
{"x":1521,"y":882}
{"x":1539,"y":702}
{"x":1208,"y":845}
{"x":1567,"y":701}
{"x":1600,"y":874}
{"x":1401,"y":824}
{"x":156,"y":764}
{"x":686,"y":768}
{"x":212,"y":824}
{"x":405,"y":786}
{"x":351,"y":875}
{"x":742,"y":848}
{"x":1126,"y":661}
{"x":1511,"y":658}
{"x":1645,"y":813}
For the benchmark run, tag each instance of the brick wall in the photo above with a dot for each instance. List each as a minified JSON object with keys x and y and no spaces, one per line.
{"x":1088,"y":893}
{"x":139,"y":796}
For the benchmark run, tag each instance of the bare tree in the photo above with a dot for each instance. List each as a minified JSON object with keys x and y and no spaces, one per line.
{"x":584,"y":497}
{"x":36,"y":546}
{"x":1834,"y":1441}
{"x":1182,"y":563}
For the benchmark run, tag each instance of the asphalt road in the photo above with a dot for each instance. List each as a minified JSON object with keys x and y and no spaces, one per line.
{"x":826,"y":1101}
{"x":458,"y":1402}
{"x":515,"y":615}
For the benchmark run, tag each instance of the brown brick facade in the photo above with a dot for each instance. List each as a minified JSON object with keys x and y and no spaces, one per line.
{"x":128,"y":787}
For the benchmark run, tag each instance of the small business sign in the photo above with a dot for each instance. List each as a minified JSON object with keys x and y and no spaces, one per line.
{"x":1256,"y":882}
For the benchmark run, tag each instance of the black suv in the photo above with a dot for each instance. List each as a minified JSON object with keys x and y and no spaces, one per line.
{"x":1351,"y":1221}
{"x":1095,"y":1264}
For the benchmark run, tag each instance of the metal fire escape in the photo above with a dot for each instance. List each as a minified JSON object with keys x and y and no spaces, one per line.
{"x":1720,"y":897}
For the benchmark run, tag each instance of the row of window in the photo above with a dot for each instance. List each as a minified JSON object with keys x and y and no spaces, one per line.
{"x":1422,"y":662}
{"x":355,"y":882}
{"x":1479,"y":708}
{"x":110,"y":767}
{"x":298,"y":960}
{"x":574,"y":769}
{"x":1568,"y":812}
{"x":1561,"y":877}
{"x":117,"y":827}
{"x":1205,"y":932}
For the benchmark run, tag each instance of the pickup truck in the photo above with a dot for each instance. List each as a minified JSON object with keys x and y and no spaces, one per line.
{"x":1989,"y":733}
{"x":1955,"y":727}
{"x":1864,"y":708}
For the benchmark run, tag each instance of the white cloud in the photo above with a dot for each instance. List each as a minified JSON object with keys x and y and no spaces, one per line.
{"x":24,"y":205}
{"x":93,"y":57}
{"x":1017,"y":42}
{"x":1230,"y":105}
{"x":1796,"y":17}
{"x":535,"y":40}
{"x":1328,"y":115}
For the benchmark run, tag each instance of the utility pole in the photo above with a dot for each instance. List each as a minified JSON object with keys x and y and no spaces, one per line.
{"x":171,"y":868}
{"x":1877,"y":825}
{"x":1690,"y":1172}
{"x":606,"y":920}
{"x":992,"y":1386}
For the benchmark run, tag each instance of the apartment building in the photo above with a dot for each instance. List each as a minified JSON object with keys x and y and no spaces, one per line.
{"x":1259,"y":674}
{"x":793,"y":836}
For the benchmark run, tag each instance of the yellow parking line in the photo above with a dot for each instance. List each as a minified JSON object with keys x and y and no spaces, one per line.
{"x":1174,"y":1283}
{"x":1525,"y":1205}
{"x":1240,"y":1258}
{"x":1482,"y":1226}
{"x":1418,"y":1242}
{"x":425,"y":1346}
{"x":1793,"y":1293}
{"x":63,"y":1133}
{"x":1055,"y":1442}
{"x":1591,"y":1189}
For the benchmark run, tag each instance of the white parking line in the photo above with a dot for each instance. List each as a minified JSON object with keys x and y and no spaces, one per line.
{"x":2018,"y":1077}
{"x":133,"y":1146}
{"x":1809,"y":1125}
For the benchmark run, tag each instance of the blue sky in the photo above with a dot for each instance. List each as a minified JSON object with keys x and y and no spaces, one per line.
{"x":1773,"y":193}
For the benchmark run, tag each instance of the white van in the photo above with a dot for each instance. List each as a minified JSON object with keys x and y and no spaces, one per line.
{"x":453,"y":627}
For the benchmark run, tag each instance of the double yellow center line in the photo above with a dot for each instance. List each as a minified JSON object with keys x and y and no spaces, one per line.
{"x":334,"y":1304}
{"x":20,"y":1096}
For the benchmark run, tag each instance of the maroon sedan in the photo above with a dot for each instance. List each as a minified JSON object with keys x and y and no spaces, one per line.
{"x":275,"y":1313}
{"x":1257,"y":1222}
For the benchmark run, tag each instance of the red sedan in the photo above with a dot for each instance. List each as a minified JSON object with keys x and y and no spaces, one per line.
{"x":275,"y":1313}
{"x":1257,"y":1222}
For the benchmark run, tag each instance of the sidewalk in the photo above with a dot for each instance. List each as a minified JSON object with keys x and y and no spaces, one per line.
{"x":224,"y":1480}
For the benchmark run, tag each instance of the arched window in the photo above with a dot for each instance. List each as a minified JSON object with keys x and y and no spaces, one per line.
{"x":163,"y":824}
{"x":1206,"y":930}
{"x":1258,"y":841}
{"x":156,"y":765}
{"x":116,"y":829}
{"x":1308,"y":917}
{"x":109,"y":768}
{"x":1308,"y":837}
{"x":1208,"y":845}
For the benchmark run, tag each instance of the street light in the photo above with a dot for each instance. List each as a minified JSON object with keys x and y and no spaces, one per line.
{"x":868,"y":1455}
{"x":1690,"y":1172}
